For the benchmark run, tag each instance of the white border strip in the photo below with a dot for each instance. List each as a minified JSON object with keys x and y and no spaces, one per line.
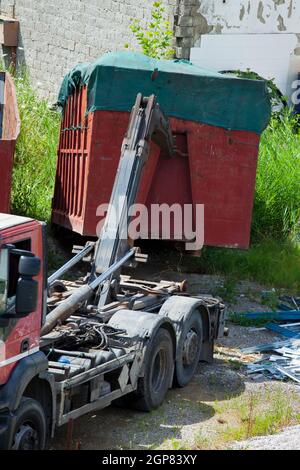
{"x":18,"y":357}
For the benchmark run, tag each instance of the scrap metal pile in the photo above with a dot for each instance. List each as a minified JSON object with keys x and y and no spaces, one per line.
{"x":284,"y":362}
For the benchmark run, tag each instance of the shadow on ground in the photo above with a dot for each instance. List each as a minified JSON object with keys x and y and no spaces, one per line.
{"x":116,"y":428}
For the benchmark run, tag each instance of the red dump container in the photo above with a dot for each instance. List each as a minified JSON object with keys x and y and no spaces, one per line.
{"x":215,"y":167}
{"x":9,"y":131}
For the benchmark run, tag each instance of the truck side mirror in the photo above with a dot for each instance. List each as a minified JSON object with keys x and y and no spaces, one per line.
{"x":29,"y":265}
{"x":27,"y":288}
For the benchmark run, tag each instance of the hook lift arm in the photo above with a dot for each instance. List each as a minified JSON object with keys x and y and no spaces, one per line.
{"x":147,"y":122}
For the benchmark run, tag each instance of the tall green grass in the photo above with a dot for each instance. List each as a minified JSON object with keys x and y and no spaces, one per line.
{"x":277,"y":199}
{"x":269,"y":262}
{"x":35,"y":157}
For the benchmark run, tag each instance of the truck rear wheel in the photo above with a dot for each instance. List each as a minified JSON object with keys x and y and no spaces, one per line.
{"x":188,"y":350}
{"x":30,"y":429}
{"x":153,"y":387}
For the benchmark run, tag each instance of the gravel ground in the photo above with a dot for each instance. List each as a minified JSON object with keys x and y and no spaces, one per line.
{"x":289,"y":439}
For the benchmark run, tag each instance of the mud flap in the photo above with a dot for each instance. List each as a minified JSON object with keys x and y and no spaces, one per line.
{"x":207,"y":352}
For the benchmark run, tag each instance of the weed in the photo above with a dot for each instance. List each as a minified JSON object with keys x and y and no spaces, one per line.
{"x":270,"y":299}
{"x":201,"y":442}
{"x":259,"y":415}
{"x":242,"y":320}
{"x":277,"y":99}
{"x":269,"y":262}
{"x":157,"y":36}
{"x":277,"y":198}
{"x":55,"y":259}
{"x":235,"y":364}
{"x":227,"y":291}
{"x":213,"y":379}
{"x":250,"y":417}
{"x":35,"y":157}
{"x":177,"y":444}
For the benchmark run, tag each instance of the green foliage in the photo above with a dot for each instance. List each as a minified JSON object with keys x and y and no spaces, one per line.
{"x":228,"y":291}
{"x":241,"y":320}
{"x":259,"y":412}
{"x":276,"y":97}
{"x":156,"y":38}
{"x":271,"y":299}
{"x":255,"y":420}
{"x":177,"y":444}
{"x":269,"y":262}
{"x":35,"y":158}
{"x":277,"y":198}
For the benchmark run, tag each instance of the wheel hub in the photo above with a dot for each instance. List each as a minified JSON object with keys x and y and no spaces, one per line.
{"x":190,"y":348}
{"x":26,"y":438}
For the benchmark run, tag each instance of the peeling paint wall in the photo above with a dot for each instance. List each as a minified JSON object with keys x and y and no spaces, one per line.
{"x":194,"y":18}
{"x":251,"y":16}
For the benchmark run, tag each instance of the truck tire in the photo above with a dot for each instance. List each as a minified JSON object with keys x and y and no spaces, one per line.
{"x":159,"y":366}
{"x":29,"y":432}
{"x":188,"y":350}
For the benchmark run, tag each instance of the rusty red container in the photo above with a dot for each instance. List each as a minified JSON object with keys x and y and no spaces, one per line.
{"x":215,"y":167}
{"x":9,"y":131}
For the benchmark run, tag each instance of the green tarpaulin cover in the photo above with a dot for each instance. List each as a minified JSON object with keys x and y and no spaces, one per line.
{"x":184,"y":90}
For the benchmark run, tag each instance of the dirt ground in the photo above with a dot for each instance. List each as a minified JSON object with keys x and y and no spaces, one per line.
{"x":199,"y":415}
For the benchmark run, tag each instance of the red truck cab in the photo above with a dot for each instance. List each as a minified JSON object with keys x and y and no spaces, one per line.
{"x":21,"y":241}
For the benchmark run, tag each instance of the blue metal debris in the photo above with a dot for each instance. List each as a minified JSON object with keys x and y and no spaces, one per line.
{"x":290,"y":303}
{"x":285,"y":363}
{"x":279,"y":316}
{"x":271,"y":346}
{"x":283,"y":330}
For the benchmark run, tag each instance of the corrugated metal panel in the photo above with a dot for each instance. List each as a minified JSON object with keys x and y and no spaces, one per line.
{"x":72,"y":159}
